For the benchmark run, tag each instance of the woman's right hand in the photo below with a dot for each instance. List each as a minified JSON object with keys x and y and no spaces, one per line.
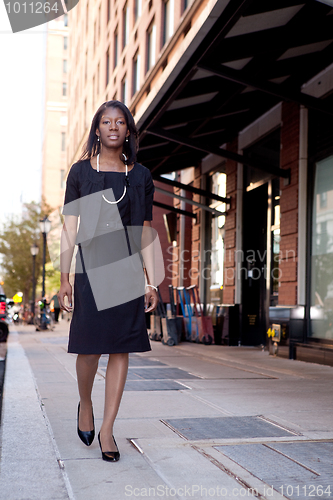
{"x":65,"y":291}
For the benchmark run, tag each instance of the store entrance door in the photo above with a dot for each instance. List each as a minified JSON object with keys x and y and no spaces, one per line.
{"x":254,"y":268}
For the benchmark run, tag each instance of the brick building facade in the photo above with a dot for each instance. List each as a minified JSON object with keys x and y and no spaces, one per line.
{"x":233,"y":101}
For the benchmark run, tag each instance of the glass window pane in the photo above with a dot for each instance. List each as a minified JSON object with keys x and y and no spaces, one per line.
{"x":124,"y":90}
{"x":115,"y":58}
{"x":63,"y":141}
{"x":217,"y":255}
{"x":107,"y":67}
{"x":168,"y":28}
{"x":136,"y":74}
{"x":321,"y":311}
{"x":151,"y":52}
{"x":125,"y":25}
{"x":62,"y":179}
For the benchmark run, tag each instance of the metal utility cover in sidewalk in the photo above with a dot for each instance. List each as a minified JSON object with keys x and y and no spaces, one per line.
{"x":226,"y":428}
{"x":298,"y":470}
{"x":154,"y":385}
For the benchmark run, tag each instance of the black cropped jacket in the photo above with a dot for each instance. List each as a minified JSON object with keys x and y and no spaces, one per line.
{"x":83,"y":181}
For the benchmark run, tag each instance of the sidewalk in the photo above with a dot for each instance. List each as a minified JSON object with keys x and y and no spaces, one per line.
{"x":195,"y":421}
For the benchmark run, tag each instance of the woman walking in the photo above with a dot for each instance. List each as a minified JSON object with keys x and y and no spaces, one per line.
{"x":113,"y":196}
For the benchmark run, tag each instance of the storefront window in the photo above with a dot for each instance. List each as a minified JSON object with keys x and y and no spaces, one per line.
{"x":275,"y":243}
{"x":321,"y":311}
{"x":219,"y":188}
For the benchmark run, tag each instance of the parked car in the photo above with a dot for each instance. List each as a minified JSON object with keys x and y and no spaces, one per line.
{"x":3,"y":318}
{"x":3,"y":306}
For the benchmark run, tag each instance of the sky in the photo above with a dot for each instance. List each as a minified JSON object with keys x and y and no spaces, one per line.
{"x":22,"y":57}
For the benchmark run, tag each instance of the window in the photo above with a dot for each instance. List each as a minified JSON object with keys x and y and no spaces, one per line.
{"x":86,"y":67}
{"x":107,"y":67}
{"x":97,"y":85}
{"x":65,"y":42}
{"x":109,"y":11}
{"x":185,"y":5}
{"x":151,"y":46}
{"x":64,"y":66}
{"x":125,"y":25}
{"x":323,"y":200}
{"x":99,"y":22}
{"x":93,"y":90}
{"x":322,"y":251}
{"x":63,"y":141}
{"x":65,"y":20}
{"x":94,"y":36}
{"x":62,"y":179}
{"x":76,"y":93}
{"x":124,"y":90}
{"x":64,"y":89}
{"x":137,"y":9}
{"x":136,"y":74}
{"x":217,"y":231}
{"x":116,"y":38}
{"x":87,"y":16}
{"x":168,"y":19}
{"x":85,"y":113}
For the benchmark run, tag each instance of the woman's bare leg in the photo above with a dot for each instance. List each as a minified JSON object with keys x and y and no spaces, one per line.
{"x":115,"y":379}
{"x":86,"y":368}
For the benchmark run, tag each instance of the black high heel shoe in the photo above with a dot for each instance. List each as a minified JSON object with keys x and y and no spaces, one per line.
{"x":86,"y":437}
{"x":109,"y":456}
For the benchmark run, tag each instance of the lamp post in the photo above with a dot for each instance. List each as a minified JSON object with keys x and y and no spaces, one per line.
{"x":45,"y":226}
{"x":34,"y":251}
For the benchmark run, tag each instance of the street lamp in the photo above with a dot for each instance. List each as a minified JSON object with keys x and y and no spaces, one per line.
{"x":45,"y":226}
{"x":34,"y":249}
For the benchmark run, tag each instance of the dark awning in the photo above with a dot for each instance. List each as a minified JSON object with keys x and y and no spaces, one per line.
{"x":255,"y":55}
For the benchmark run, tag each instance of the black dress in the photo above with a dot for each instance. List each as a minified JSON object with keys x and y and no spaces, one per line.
{"x":96,"y":328}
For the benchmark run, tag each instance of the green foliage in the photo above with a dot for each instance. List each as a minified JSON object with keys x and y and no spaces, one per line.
{"x":16,"y":238}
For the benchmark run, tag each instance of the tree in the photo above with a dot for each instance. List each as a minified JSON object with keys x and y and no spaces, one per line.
{"x":16,"y":238}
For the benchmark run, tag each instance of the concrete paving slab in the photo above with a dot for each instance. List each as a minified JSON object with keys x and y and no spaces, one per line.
{"x":211,"y":370}
{"x":184,"y":469}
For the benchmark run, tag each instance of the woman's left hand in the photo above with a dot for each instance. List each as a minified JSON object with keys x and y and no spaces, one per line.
{"x":151,"y":298}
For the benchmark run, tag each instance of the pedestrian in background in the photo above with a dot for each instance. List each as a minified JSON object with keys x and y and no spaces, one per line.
{"x":56,"y":307}
{"x":112,"y":194}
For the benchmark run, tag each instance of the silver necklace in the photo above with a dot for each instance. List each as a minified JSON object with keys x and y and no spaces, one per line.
{"x":122,"y":196}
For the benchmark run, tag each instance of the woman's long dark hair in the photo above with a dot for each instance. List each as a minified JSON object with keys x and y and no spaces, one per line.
{"x":92,"y":147}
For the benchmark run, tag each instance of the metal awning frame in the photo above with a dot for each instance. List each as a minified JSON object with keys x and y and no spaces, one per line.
{"x":195,"y":144}
{"x":191,"y":189}
{"x":190,"y":202}
{"x":198,"y":60}
{"x":174,"y":209}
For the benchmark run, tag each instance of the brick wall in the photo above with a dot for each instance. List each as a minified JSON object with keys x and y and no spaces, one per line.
{"x":230,"y":230}
{"x":289,"y":205}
